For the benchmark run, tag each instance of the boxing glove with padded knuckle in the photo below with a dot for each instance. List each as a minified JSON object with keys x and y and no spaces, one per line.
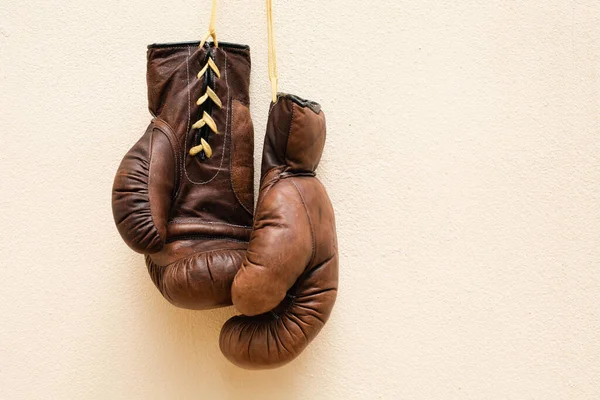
{"x":183,"y":194}
{"x":287,"y":284}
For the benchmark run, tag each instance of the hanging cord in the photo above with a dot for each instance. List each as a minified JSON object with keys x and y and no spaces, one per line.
{"x":272,"y":52}
{"x":211,"y":28}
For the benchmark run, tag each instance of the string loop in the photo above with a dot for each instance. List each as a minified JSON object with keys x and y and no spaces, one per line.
{"x":211,"y":27}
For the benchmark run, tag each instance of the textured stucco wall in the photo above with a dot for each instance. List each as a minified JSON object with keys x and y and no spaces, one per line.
{"x":462,"y":161}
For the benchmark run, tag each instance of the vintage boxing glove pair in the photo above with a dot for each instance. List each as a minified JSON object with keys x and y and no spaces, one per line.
{"x":183,"y":196}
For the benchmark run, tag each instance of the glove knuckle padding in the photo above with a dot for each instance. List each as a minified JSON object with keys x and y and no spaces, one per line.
{"x":146,"y":172}
{"x":287,"y":285}
{"x":191,"y":215}
{"x":279,"y":250}
{"x":205,"y":274}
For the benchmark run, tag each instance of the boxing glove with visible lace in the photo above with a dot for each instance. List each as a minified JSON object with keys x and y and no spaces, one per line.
{"x":183,"y":194}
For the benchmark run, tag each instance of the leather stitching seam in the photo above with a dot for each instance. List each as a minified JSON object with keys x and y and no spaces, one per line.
{"x":193,"y":254}
{"x":312,"y":231}
{"x":183,"y":220}
{"x":287,"y":139}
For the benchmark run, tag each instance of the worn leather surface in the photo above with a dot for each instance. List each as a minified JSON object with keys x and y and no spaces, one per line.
{"x":287,"y":284}
{"x":191,"y":217}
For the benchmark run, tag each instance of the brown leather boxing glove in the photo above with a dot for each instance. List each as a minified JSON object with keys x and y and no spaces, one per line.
{"x":287,"y":284}
{"x":183,"y":194}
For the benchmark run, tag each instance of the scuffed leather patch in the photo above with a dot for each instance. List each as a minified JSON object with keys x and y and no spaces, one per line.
{"x":242,"y":155}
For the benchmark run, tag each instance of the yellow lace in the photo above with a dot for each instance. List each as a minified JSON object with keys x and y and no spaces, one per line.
{"x":206,"y":119}
{"x":272,"y":52}
{"x":212,"y":66}
{"x":211,"y":27}
{"x":212,"y":95}
{"x":203,"y":146}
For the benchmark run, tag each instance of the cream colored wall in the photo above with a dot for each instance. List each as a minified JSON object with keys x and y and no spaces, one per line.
{"x":462,"y":161}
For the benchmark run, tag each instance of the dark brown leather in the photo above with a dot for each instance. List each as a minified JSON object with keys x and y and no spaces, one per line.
{"x":288,"y":281}
{"x":191,"y":216}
